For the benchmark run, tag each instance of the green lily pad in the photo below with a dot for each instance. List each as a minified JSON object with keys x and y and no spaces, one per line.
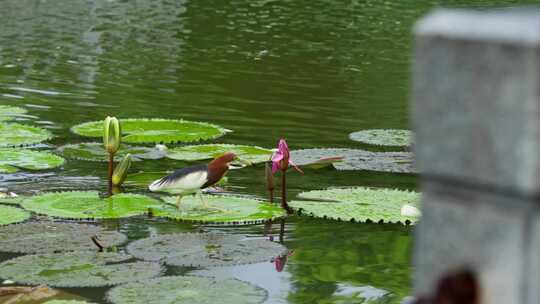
{"x":188,"y":290}
{"x":77,"y":269}
{"x":234,"y":210}
{"x":359,"y":204}
{"x":66,"y":302}
{"x":252,"y":154}
{"x":356,"y":159}
{"x":144,"y":130}
{"x":11,"y":159}
{"x":10,"y":215}
{"x":88,"y":205}
{"x":96,"y":152}
{"x":205,"y":249}
{"x":49,"y":237}
{"x":10,"y":112}
{"x":15,"y":134}
{"x":6,"y":198}
{"x":383,"y":137}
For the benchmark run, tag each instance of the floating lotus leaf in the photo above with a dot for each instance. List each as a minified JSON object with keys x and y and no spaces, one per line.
{"x":253,"y":154}
{"x":6,"y":198}
{"x":66,"y":302}
{"x":96,"y":152}
{"x":12,"y":159}
{"x":155,"y":130}
{"x":10,"y":112}
{"x":383,"y":137}
{"x":88,"y":204}
{"x":234,"y":210}
{"x":10,"y":215}
{"x":14,"y":134}
{"x":48,"y":237}
{"x":359,"y":204}
{"x":205,"y":250}
{"x":356,"y":159}
{"x":188,"y":290}
{"x":77,"y":269}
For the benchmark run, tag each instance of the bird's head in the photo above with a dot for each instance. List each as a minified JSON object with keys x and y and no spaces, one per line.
{"x":223,"y":161}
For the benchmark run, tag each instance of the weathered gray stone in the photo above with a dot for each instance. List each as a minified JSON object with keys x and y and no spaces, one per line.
{"x":472,"y":230}
{"x":532,"y":257}
{"x":476,"y":109}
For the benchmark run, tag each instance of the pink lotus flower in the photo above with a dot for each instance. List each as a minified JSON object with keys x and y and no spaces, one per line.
{"x":281,"y":159}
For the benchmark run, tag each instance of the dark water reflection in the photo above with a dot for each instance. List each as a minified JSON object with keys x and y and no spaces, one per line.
{"x":312,"y":71}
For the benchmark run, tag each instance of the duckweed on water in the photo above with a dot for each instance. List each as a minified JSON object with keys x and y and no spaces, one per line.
{"x":88,"y":205}
{"x":144,"y":130}
{"x":77,"y":269}
{"x":15,"y":134}
{"x":359,"y":204}
{"x":11,"y":160}
{"x":234,"y":210}
{"x":12,"y":215}
{"x":188,"y":290}
{"x":49,"y":237}
{"x":253,"y":154}
{"x":96,"y":152}
{"x":205,"y":250}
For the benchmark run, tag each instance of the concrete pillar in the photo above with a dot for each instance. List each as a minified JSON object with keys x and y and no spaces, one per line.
{"x":476,"y":114}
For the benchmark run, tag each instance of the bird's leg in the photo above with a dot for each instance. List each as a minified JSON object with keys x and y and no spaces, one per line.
{"x":205,"y":203}
{"x":178,"y":202}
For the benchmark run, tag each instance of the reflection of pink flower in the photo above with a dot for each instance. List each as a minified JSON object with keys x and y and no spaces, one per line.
{"x":280,"y":262}
{"x":281,"y":159}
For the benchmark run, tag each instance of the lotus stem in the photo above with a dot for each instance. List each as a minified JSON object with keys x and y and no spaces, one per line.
{"x":284,"y":204}
{"x":270,"y":184}
{"x":111,"y":167}
{"x":282,"y":230}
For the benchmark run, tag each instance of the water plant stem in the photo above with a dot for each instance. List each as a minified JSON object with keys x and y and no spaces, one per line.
{"x":111,"y":167}
{"x":284,"y":204}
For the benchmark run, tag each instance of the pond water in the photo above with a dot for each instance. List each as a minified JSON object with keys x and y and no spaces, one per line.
{"x":311,"y":71}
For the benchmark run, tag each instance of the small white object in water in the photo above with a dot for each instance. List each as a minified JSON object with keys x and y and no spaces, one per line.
{"x":12,"y":194}
{"x":409,"y":210}
{"x":161,"y":147}
{"x":6,"y":282}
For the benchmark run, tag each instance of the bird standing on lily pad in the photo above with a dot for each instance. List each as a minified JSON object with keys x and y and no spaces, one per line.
{"x":192,"y":179}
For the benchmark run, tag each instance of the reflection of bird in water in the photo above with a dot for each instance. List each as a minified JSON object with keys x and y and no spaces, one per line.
{"x":193,"y":179}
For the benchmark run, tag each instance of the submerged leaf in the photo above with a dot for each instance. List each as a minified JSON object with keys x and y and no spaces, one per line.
{"x":10,"y":215}
{"x":77,"y":269}
{"x":359,"y":204}
{"x":96,"y":152}
{"x":252,"y":154}
{"x":143,"y":130}
{"x":205,"y":250}
{"x":383,"y":137}
{"x":187,"y":290}
{"x":88,"y":204}
{"x":14,"y":134}
{"x":356,"y":159}
{"x":10,"y":112}
{"x":224,"y":210}
{"x":45,"y":237}
{"x":12,"y":159}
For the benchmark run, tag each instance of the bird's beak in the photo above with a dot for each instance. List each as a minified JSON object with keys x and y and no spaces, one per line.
{"x":244,"y":162}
